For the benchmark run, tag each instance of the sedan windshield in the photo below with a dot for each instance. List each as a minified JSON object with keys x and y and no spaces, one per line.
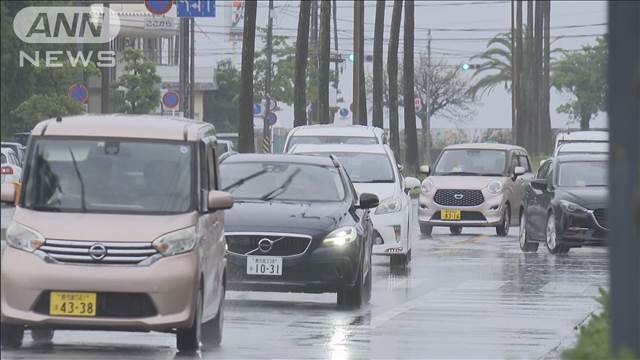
{"x":314,"y":140}
{"x":281,"y":181}
{"x":472,"y":162}
{"x":109,"y":176}
{"x":583,"y":173}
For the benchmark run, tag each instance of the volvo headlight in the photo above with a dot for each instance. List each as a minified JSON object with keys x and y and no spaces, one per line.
{"x":176,"y":242}
{"x":568,"y":206}
{"x":341,"y":236}
{"x":23,"y":238}
{"x":427,"y":186}
{"x":495,"y":187}
{"x":389,"y":205}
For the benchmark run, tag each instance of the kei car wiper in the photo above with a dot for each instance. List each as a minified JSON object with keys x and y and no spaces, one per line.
{"x":75,"y":166}
{"x":280,"y":189}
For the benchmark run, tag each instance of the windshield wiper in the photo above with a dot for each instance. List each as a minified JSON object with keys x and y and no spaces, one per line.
{"x":377,"y":181}
{"x":75,"y":166}
{"x":462,"y":173}
{"x":243,"y":180}
{"x":596,"y":185}
{"x":280,"y":189}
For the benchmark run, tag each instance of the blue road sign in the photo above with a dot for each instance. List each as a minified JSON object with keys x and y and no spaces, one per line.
{"x":272,"y":118}
{"x":257,"y":109}
{"x":158,"y":7}
{"x":344,"y":112}
{"x":196,"y":8}
{"x":170,"y":99}
{"x":79,"y":92}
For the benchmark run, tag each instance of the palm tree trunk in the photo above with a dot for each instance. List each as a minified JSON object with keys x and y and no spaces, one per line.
{"x":392,"y":70}
{"x":546,"y":134}
{"x":245,"y":127}
{"x":530,"y":95}
{"x":378,"y":38}
{"x":411,"y":156}
{"x":323,"y":71}
{"x":363,"y":87}
{"x":520,"y":103}
{"x":302,"y":57}
{"x":537,"y":79}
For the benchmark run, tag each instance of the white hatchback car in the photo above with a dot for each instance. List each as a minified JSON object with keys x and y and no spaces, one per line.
{"x":335,"y":134}
{"x":11,"y":170}
{"x":373,"y":169}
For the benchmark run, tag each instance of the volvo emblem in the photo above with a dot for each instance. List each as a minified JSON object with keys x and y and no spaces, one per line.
{"x":265,"y":245}
{"x":97,"y":251}
{"x":458,"y":196}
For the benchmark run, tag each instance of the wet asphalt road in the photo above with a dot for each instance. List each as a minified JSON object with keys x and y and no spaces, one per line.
{"x":469,"y":296}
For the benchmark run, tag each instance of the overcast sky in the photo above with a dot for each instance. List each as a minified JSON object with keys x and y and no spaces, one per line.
{"x":460,"y":29}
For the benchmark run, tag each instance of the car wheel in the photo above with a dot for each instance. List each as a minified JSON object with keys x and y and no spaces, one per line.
{"x":188,"y":339}
{"x":11,"y":336}
{"x":352,"y":296}
{"x":398,"y":260}
{"x":553,"y":244}
{"x":42,"y":335}
{"x":368,"y":286}
{"x":212,"y":329}
{"x":503,"y":228}
{"x":426,"y":229}
{"x":525,"y":244}
{"x":455,"y":230}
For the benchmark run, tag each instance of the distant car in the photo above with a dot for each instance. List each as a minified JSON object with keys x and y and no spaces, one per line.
{"x":474,"y":185}
{"x":565,"y":205}
{"x":589,"y":136}
{"x":17,"y":148}
{"x":297,"y":225}
{"x":233,"y":137}
{"x":373,"y":169}
{"x":583,"y":148}
{"x":335,"y":134}
{"x":11,"y":170}
{"x":223,"y":147}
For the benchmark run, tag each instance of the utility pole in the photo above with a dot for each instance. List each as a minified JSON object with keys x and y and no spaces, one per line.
{"x":514,"y":77}
{"x":105,"y":76}
{"x":335,"y":36}
{"x":314,"y":55}
{"x":192,"y":71}
{"x":427,"y":102}
{"x":266,"y":128}
{"x":357,"y":16}
{"x":183,"y":67}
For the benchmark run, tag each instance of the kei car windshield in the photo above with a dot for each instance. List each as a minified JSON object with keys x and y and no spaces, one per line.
{"x":478,"y":162}
{"x":281,"y":181}
{"x":109,"y":176}
{"x":583,"y":174}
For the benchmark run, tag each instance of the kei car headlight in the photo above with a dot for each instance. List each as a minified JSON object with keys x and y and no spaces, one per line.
{"x":23,"y":238}
{"x":427,"y":186}
{"x":495,"y":187}
{"x":389,"y":205}
{"x":176,"y":242}
{"x":568,"y":206}
{"x":341,"y":236}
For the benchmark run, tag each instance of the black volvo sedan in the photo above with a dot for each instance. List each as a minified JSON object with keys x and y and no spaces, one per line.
{"x":297,"y":225}
{"x":565,"y":206}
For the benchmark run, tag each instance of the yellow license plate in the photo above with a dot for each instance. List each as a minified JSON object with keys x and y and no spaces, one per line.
{"x":72,"y":303}
{"x":449,"y":214}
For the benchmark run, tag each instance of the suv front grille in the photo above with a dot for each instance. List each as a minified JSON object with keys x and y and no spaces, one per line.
{"x":601,"y":217}
{"x":459,"y":197}
{"x":78,"y":252}
{"x":281,"y":245}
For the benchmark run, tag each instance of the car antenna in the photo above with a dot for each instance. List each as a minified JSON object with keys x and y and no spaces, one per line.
{"x":59,"y":118}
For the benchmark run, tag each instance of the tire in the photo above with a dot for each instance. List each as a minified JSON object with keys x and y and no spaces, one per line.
{"x":11,"y":336}
{"x":426,"y":229}
{"x":188,"y":339}
{"x":42,"y":335}
{"x":551,"y":237}
{"x":212,"y":329}
{"x":353,"y":296}
{"x":398,"y":260}
{"x":503,"y":228}
{"x":455,"y":230}
{"x":526,"y":245}
{"x":367,"y":287}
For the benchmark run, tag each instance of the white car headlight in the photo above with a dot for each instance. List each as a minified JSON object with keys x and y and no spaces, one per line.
{"x":176,"y":242}
{"x":495,"y":187}
{"x":341,"y":236}
{"x":427,"y":186}
{"x":572,"y":207}
{"x":389,"y":205}
{"x":23,"y":238}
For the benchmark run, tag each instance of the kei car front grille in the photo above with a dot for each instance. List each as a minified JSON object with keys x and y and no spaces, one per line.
{"x":90,"y":252}
{"x":258,"y":244}
{"x":601,"y":217}
{"x":458,"y":197}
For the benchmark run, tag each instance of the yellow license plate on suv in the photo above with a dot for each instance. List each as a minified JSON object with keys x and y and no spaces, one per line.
{"x":449,"y":214}
{"x":72,"y":303}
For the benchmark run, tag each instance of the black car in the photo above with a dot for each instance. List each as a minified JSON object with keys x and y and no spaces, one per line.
{"x":565,"y":206}
{"x":297,"y":225}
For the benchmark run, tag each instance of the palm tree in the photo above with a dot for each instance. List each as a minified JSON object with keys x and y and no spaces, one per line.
{"x":302,"y":57}
{"x":392,"y":70}
{"x":378,"y":38}
{"x":245,"y":126}
{"x":323,"y":62}
{"x":411,"y":136}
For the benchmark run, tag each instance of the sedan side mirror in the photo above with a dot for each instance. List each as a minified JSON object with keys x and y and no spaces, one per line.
{"x":519,"y":170}
{"x":8,"y":193}
{"x":400,"y":167}
{"x":539,"y":184}
{"x":219,"y":200}
{"x":369,"y":201}
{"x":425,"y":169}
{"x":411,"y":183}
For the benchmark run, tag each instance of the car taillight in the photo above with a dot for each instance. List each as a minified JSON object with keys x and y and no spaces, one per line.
{"x":7,"y":170}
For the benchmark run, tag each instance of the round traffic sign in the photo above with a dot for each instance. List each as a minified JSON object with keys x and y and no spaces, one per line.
{"x":79,"y":92}
{"x":257,"y":109}
{"x":170,"y":99}
{"x":344,"y":112}
{"x":272,"y":118}
{"x":273,"y":104}
{"x":158,"y":7}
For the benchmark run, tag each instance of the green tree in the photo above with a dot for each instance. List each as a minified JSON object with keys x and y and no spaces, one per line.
{"x":136,"y":91}
{"x":41,"y":107}
{"x":221,"y":106}
{"x":582,"y":74}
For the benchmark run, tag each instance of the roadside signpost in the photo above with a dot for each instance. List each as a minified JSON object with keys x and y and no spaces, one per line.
{"x":257,"y":109}
{"x":272,"y":118}
{"x":158,"y":7}
{"x":170,"y":99}
{"x":79,"y":92}
{"x":196,"y":8}
{"x":418,"y":103}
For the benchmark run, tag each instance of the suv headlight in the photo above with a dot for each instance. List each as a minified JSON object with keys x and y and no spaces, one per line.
{"x":389,"y":205}
{"x":495,"y":187}
{"x":176,"y":242}
{"x":427,"y":186}
{"x":23,"y":238}
{"x":341,"y":236}
{"x":568,"y":206}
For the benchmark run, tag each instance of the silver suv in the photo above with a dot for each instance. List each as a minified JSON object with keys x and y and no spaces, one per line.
{"x":474,"y":185}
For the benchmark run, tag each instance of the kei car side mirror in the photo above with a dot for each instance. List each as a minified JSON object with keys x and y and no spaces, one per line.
{"x":519,"y":170}
{"x":219,"y":200}
{"x":425,"y":169}
{"x":411,"y":183}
